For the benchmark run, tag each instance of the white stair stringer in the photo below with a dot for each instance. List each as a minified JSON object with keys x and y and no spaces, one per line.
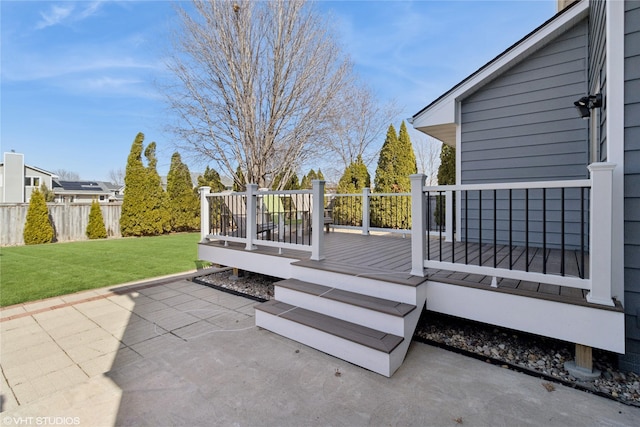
{"x":344,"y":344}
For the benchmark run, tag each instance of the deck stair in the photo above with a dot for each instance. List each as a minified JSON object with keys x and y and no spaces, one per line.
{"x":365,"y":330}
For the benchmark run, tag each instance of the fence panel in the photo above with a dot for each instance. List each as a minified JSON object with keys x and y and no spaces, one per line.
{"x":69,"y":221}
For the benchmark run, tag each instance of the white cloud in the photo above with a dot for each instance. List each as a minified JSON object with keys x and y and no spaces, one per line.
{"x":54,"y":16}
{"x":61,"y":14}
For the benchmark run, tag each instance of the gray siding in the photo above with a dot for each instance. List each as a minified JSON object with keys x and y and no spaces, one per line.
{"x":631,"y":360}
{"x":523,"y":126}
{"x":597,"y":69}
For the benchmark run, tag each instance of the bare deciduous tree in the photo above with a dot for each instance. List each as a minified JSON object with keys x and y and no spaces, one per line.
{"x":427,"y":152}
{"x":116,"y":176}
{"x":360,"y":129}
{"x":257,"y":85}
{"x":65,"y":175}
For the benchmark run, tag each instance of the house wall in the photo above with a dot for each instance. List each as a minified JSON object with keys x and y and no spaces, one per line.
{"x":43,"y":178}
{"x":631,"y":360}
{"x":523,"y":127}
{"x":13,"y":178}
{"x":598,"y":78}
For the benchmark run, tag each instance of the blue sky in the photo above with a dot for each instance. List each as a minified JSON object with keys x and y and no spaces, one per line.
{"x":77,"y":78}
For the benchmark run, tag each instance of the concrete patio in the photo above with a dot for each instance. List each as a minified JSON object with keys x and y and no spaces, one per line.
{"x":171,"y":352}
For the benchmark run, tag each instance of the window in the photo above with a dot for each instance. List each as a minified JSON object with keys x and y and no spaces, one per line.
{"x":101,"y":198}
{"x":32,"y":181}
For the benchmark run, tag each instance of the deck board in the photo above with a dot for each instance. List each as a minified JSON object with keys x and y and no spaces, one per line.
{"x":388,"y":257}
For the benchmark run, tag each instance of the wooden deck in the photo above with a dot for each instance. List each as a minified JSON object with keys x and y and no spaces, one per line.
{"x":388,"y":257}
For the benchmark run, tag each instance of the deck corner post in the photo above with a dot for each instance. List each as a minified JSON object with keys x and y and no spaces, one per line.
{"x":205,"y":218}
{"x":448,"y":219}
{"x":418,"y":225}
{"x":252,"y":216}
{"x":366,"y":208}
{"x":601,"y":233}
{"x":317,"y":220}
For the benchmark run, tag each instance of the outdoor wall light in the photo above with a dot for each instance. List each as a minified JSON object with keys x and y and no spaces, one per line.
{"x":585,"y":104}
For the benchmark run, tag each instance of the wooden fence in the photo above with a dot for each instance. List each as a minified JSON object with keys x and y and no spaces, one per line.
{"x":69,"y":221}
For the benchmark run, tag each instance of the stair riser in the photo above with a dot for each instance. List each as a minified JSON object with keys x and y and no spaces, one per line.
{"x":361,"y":285}
{"x":376,"y":361}
{"x":372,"y":319}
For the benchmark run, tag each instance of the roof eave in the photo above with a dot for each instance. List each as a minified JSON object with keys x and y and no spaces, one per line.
{"x":439,"y":117}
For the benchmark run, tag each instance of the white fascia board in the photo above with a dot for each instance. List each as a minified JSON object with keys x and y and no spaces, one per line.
{"x":443,"y":111}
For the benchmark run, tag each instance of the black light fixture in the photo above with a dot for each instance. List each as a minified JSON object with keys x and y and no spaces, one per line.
{"x":587,"y":103}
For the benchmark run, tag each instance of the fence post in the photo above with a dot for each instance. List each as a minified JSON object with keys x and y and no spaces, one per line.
{"x":205,"y":217}
{"x":317,"y":220}
{"x":366,"y":208}
{"x":418,"y":225}
{"x":600,"y":233}
{"x":252,"y":216}
{"x":448,"y":216}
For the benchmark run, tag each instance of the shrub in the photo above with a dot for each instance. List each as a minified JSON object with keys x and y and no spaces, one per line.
{"x":38,"y":228}
{"x":96,"y":228}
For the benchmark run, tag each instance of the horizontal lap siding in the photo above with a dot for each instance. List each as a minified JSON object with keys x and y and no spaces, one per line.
{"x":523,"y":127}
{"x":631,"y":360}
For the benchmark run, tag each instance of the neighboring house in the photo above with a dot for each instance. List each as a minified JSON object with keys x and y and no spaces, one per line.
{"x":86,"y":191}
{"x":514,"y":120}
{"x":18,"y":180}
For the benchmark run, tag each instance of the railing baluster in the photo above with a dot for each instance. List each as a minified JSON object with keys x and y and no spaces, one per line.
{"x":466,"y":227}
{"x":562,"y":231}
{"x":495,"y":228}
{"x":479,"y":227}
{"x":526,"y":227}
{"x":510,"y":229}
{"x":440,"y":215}
{"x":453,"y":222}
{"x":429,"y":227}
{"x":544,"y":231}
{"x":582,"y":275}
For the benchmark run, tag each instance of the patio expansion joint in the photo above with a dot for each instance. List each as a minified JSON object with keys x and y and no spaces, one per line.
{"x":126,"y":290}
{"x":6,"y":380}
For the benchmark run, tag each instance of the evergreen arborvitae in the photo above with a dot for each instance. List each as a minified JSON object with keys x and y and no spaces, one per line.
{"x":38,"y":228}
{"x":184,"y":206}
{"x":447,"y":169}
{"x":385,"y":174}
{"x":132,"y":218}
{"x":157,"y":212}
{"x":49,"y":196}
{"x":396,"y":163}
{"x":144,"y":208}
{"x":291,"y":184}
{"x":95,"y":227}
{"x":446,"y":176}
{"x":239,"y":181}
{"x":320,"y":176}
{"x":211,"y":178}
{"x":355,"y":178}
{"x":306,"y":183}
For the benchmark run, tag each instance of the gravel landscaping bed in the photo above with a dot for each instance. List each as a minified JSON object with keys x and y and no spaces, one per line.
{"x":510,"y":349}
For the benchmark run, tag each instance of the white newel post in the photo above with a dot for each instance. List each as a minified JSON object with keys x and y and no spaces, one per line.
{"x":366,"y":207}
{"x":252,"y":215}
{"x":600,"y":233}
{"x":418,"y":225}
{"x":448,"y":218}
{"x":317,"y":220}
{"x":205,"y":218}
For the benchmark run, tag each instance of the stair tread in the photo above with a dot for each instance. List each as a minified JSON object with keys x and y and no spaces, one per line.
{"x":381,"y":305}
{"x":359,"y":334}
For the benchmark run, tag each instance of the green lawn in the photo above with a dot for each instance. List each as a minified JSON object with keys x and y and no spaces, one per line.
{"x":29,"y":273}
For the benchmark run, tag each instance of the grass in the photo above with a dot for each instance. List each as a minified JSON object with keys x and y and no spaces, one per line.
{"x":29,"y":273}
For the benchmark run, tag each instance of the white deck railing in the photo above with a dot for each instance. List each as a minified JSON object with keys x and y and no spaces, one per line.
{"x":598,"y":281}
{"x":597,"y":245}
{"x":280,"y":219}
